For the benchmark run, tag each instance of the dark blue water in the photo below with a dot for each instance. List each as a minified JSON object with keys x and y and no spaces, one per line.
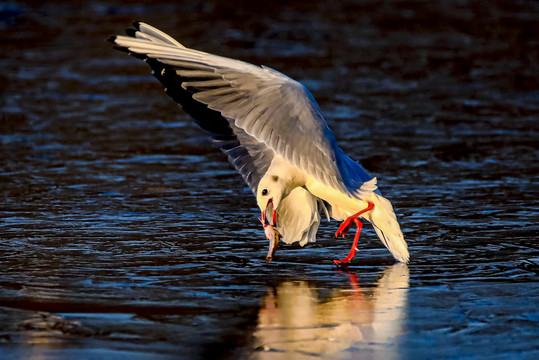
{"x":124,"y":233}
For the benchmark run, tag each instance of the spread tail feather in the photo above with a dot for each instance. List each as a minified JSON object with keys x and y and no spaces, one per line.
{"x":384,"y":220}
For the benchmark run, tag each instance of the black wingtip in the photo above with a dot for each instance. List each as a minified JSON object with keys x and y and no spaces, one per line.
{"x":112,"y":39}
{"x":130,"y":32}
{"x":122,"y":49}
{"x":136,"y":24}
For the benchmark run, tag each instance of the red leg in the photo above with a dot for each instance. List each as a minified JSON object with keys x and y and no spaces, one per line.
{"x":345,"y":226}
{"x":353,"y":250}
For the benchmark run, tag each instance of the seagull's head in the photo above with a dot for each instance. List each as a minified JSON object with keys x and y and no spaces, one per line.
{"x":269,"y":194}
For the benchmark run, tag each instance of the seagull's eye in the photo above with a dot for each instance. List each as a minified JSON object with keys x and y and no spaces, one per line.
{"x":264,"y":192}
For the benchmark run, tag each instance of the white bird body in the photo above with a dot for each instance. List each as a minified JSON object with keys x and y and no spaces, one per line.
{"x":291,"y":178}
{"x":274,"y":134}
{"x":342,"y":206}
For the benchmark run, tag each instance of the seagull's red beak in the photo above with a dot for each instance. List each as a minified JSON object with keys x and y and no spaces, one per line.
{"x":273,"y":217}
{"x":272,"y":234}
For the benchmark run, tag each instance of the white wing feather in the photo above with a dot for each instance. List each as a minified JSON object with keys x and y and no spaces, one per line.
{"x":266,"y":104}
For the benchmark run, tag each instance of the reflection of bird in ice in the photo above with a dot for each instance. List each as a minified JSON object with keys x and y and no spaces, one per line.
{"x":295,"y":323}
{"x":273,"y":132}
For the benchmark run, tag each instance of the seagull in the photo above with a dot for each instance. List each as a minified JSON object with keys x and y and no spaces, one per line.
{"x":273,"y":132}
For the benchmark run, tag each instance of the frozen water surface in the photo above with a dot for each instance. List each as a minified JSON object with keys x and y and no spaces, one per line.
{"x":124,"y":234}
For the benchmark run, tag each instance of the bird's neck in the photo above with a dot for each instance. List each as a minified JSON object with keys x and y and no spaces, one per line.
{"x":288,"y":176}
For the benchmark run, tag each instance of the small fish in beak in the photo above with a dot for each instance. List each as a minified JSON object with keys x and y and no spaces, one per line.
{"x":273,"y":236}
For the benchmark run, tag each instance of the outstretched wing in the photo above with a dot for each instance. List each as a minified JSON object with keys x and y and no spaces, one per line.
{"x":266,"y":105}
{"x":250,"y":157}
